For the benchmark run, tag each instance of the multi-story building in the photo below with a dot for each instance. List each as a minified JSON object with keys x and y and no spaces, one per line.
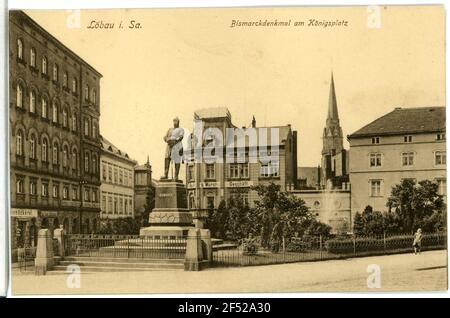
{"x":210,"y":183}
{"x":144,"y":191}
{"x":405,"y":143}
{"x":54,"y":143}
{"x":117,"y":188}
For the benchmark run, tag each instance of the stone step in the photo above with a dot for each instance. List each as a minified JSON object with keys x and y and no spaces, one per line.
{"x":89,"y":264}
{"x":60,"y":269}
{"x":124,"y":259}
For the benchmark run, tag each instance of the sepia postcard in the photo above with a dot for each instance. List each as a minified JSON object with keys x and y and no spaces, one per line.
{"x":227,"y":150}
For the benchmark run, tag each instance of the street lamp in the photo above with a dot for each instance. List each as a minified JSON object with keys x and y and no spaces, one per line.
{"x":80,"y":226}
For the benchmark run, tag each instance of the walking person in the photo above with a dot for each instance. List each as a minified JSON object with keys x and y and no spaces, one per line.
{"x":417,"y":244}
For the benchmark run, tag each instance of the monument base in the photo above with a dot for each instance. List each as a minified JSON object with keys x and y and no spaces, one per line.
{"x":162,"y":232}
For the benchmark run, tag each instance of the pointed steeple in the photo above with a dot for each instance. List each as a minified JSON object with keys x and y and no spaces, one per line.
{"x":332,"y":104}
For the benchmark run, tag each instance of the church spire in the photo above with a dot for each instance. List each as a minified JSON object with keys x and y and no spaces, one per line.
{"x":332,"y":104}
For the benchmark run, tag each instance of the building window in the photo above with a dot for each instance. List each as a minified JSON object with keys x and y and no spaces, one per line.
{"x":110,"y":174}
{"x":375,"y":140}
{"x":210,"y":202}
{"x":86,"y":127}
{"x":243,"y":170}
{"x":86,"y":195}
{"x":375,"y":188}
{"x":55,"y":112}
{"x":64,"y":118}
{"x":126,"y":210}
{"x":121,"y":176}
{"x":74,"y":160}
{"x":19,"y":96}
{"x":65,"y":79}
{"x":55,"y":72}
{"x":44,"y":109}
{"x":115,"y":205}
{"x":94,"y":96}
{"x":86,"y":92}
{"x":33,"y":57}
{"x":74,"y":85}
{"x":375,"y":160}
{"x":104,"y":171}
{"x":65,"y":193}
{"x":44,"y":150}
{"x":104,"y":203}
{"x":55,"y":154}
{"x":210,"y":171}
{"x":19,"y":186}
{"x":110,"y":205}
{"x":407,"y":159}
{"x":74,"y":193}
{"x":94,"y":130}
{"x":65,"y":156}
{"x":191,"y":200}
{"x":440,"y":136}
{"x":269,"y":170}
{"x":19,"y":143}
{"x":44,"y":65}
{"x":74,"y":122}
{"x":440,"y":158}
{"x":86,"y":162}
{"x":19,"y":49}
{"x":44,"y":190}
{"x":33,"y":147}
{"x":120,"y":206}
{"x":115,"y":175}
{"x":94,"y":196}
{"x":407,"y":138}
{"x":94,"y":164}
{"x":125,"y":176}
{"x":233,"y":171}
{"x":55,"y":191}
{"x":442,"y":186}
{"x":32,"y":102}
{"x":33,"y":188}
{"x":131,"y":206}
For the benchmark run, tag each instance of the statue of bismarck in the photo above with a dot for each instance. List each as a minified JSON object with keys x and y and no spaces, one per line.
{"x":173,"y":138}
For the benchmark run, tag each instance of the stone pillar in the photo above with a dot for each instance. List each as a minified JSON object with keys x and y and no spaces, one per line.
{"x":59,"y":235}
{"x":194,"y":260}
{"x":205,"y":236}
{"x":44,"y":252}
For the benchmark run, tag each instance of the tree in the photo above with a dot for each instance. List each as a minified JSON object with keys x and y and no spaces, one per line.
{"x":237,"y":223}
{"x":415,"y":202}
{"x":358,"y":224}
{"x":217,"y":220}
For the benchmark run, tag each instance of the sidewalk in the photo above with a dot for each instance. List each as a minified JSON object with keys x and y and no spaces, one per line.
{"x":401,"y":272}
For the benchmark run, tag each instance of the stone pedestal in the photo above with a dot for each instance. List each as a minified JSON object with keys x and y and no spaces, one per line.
{"x":44,"y":252}
{"x":170,"y":218}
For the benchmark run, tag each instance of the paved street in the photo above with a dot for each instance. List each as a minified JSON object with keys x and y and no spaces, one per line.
{"x":403,"y":272}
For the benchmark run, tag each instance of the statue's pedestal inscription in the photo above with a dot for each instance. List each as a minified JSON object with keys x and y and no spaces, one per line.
{"x":170,"y":218}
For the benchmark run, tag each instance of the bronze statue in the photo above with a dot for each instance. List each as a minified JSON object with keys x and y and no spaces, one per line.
{"x":173,"y":139}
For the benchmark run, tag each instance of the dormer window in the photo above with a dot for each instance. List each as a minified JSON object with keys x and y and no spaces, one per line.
{"x":375,"y":140}
{"x":407,"y":138}
{"x":440,"y":136}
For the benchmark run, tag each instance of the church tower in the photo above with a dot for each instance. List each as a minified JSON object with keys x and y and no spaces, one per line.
{"x":332,"y":138}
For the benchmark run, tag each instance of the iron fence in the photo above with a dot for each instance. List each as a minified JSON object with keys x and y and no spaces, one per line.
{"x":123,"y":246}
{"x":317,"y":248}
{"x":25,"y":258}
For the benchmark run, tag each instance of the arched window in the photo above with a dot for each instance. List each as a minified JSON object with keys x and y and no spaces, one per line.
{"x":19,"y":143}
{"x":74,"y":85}
{"x":64,"y":118}
{"x":65,"y":156}
{"x":74,"y":159}
{"x":19,"y":96}
{"x":19,"y":186}
{"x":44,"y":65}
{"x":94,"y":130}
{"x":55,"y":112}
{"x":33,"y":57}
{"x":33,"y":147}
{"x":19,"y":49}
{"x":32,"y":102}
{"x":74,"y":122}
{"x":86,"y":162}
{"x":45,"y":150}
{"x":55,"y":153}
{"x":65,"y":79}
{"x":55,"y":72}
{"x":44,"y":110}
{"x":86,"y":92}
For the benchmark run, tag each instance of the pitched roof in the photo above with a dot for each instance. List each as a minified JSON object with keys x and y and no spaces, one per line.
{"x":405,"y":120}
{"x":332,"y":104}
{"x":108,"y":147}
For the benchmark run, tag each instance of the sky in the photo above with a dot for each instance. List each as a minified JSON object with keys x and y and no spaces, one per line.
{"x":181,"y":60}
